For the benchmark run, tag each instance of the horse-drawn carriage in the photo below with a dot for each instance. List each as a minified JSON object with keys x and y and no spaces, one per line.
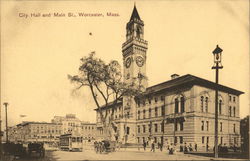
{"x":14,"y":149}
{"x":36,"y":148}
{"x":105,"y":146}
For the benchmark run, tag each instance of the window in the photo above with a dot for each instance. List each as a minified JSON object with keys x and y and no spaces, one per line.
{"x":128,"y":130}
{"x":149,"y":101}
{"x":144,"y":128}
{"x":139,"y":103}
{"x":176,"y":105}
{"x":235,"y":140}
{"x":138,"y":115}
{"x":175,"y":126}
{"x":181,"y":126}
{"x":175,"y":139}
{"x":234,"y":128}
{"x":139,"y":129}
{"x":149,"y":128}
{"x":203,"y":139}
{"x":182,"y":104}
{"x":202,"y":125}
{"x":206,"y":104}
{"x":220,"y":126}
{"x":144,"y":114}
{"x":202,"y":103}
{"x":156,"y":112}
{"x":230,"y":111}
{"x":156,"y":99}
{"x":162,"y":126}
{"x":220,"y":102}
{"x":138,"y":32}
{"x":230,"y":98}
{"x":234,"y":111}
{"x":143,"y":102}
{"x":207,"y":125}
{"x":156,"y":128}
{"x":149,"y":112}
{"x":163,"y":110}
{"x":207,"y":139}
{"x":234,"y":99}
{"x":181,"y":139}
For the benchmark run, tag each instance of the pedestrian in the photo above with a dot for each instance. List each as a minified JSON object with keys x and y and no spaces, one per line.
{"x":153,"y":146}
{"x":195,"y":147}
{"x":144,"y":145}
{"x":161,"y":145}
{"x":185,"y":148}
{"x":207,"y":147}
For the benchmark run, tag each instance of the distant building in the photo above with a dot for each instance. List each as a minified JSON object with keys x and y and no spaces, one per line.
{"x":71,"y":124}
{"x":89,"y":131}
{"x":35,"y":132}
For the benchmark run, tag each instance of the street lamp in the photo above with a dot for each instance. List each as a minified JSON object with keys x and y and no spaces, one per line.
{"x":217,"y":65}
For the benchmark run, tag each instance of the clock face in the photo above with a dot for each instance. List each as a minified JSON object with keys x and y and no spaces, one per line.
{"x":139,"y":61}
{"x":128,"y":62}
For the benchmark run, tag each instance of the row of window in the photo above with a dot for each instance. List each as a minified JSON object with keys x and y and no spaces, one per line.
{"x":204,"y":107}
{"x":155,"y":126}
{"x":150,"y":113}
{"x":230,"y":98}
{"x":179,"y":108}
{"x":178,"y":126}
{"x":46,"y":131}
{"x":207,"y":126}
{"x":86,"y":128}
{"x":143,"y":102}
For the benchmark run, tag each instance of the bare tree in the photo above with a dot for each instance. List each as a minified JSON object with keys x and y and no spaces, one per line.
{"x":105,"y":84}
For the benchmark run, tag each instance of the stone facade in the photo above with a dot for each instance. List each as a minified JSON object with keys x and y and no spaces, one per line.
{"x":179,"y":111}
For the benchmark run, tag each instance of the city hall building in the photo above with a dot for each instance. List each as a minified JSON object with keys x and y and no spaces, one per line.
{"x":180,"y":110}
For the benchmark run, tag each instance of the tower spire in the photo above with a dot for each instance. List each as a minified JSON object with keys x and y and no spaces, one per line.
{"x":135,"y":14}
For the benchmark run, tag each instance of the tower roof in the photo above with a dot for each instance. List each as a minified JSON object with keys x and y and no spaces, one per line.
{"x":135,"y":14}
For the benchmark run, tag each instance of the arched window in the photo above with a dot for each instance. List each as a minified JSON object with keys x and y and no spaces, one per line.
{"x":182,"y":104}
{"x":206,"y":104}
{"x":220,"y":104}
{"x":144,"y":114}
{"x":128,"y":130}
{"x":149,"y":113}
{"x":176,"y":105}
{"x":202,"y":99}
{"x":138,"y":32}
{"x":156,"y":112}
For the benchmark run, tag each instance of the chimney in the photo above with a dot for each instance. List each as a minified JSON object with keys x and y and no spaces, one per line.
{"x":173,"y":76}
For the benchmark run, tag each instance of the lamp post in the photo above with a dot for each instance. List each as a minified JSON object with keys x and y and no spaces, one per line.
{"x":6,"y":116}
{"x":217,"y":65}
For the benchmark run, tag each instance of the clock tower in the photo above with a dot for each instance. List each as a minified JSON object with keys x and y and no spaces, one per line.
{"x":134,"y":64}
{"x":134,"y":50}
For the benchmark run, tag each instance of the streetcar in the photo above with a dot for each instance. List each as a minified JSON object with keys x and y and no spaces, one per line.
{"x":71,"y":142}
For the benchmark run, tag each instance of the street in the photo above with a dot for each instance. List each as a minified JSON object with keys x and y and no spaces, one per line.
{"x":123,"y":154}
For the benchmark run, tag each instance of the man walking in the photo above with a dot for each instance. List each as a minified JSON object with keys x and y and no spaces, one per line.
{"x":144,"y":145}
{"x":153,"y":146}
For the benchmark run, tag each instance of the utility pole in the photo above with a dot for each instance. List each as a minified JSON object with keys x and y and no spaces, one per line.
{"x":217,"y":60}
{"x":6,"y":116}
{"x":0,"y":134}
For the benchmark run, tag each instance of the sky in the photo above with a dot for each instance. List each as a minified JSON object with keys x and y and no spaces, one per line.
{"x":37,"y":53}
